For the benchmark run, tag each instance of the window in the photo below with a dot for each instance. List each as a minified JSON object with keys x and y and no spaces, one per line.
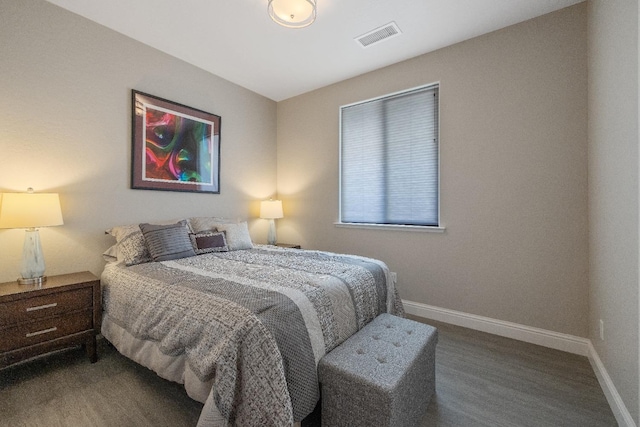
{"x":389,"y":160}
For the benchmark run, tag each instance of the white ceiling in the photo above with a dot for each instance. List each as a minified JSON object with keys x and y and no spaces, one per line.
{"x":236,"y":39}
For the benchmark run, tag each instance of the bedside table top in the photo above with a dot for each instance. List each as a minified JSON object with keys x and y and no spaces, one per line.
{"x":53,"y":282}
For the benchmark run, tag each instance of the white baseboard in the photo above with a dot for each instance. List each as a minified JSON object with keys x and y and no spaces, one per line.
{"x":543,"y":337}
{"x":618,"y":407}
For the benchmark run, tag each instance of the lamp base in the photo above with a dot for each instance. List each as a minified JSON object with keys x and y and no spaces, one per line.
{"x":38,"y":281}
{"x":271,"y":237}
{"x":32,"y":271}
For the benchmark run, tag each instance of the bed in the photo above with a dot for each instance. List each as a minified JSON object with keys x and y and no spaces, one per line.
{"x":242,"y":326}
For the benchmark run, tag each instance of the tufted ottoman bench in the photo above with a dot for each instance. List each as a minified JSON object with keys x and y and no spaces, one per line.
{"x":384,"y":375}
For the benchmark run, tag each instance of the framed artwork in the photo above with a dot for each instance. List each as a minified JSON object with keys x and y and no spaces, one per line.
{"x":175,"y":147}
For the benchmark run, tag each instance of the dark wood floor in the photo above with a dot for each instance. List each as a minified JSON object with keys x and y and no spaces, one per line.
{"x":486,"y":380}
{"x":482,"y":380}
{"x":64,"y":389}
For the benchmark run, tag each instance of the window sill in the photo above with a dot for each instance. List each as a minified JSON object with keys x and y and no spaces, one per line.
{"x":420,"y":228}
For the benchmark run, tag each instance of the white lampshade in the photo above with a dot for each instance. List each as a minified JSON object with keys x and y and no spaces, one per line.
{"x":292,"y":13}
{"x":30,"y":210}
{"x":271,"y":209}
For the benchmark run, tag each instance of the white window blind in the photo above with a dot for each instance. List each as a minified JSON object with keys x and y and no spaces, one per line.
{"x":389,"y":160}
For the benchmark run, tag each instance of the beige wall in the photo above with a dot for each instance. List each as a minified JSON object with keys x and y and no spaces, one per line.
{"x":513,"y":175}
{"x":513,"y":156}
{"x":65,"y":126}
{"x":613,"y":191}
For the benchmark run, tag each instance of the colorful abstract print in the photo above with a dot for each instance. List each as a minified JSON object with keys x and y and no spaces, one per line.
{"x":177,"y":148}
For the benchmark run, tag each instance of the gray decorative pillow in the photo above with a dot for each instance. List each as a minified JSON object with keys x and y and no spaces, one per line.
{"x":237,"y":235}
{"x":166,"y":242}
{"x":208,"y":241}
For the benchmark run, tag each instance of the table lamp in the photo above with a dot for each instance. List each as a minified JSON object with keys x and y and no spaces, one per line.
{"x":30,"y":210}
{"x":271,"y":210}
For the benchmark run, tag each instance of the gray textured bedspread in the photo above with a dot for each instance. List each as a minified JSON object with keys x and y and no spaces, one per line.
{"x":255,"y":321}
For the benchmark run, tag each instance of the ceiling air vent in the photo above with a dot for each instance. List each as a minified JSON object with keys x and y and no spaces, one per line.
{"x":383,"y":33}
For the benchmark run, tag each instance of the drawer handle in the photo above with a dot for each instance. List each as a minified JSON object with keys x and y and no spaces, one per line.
{"x":44,"y":331}
{"x":42,"y":307}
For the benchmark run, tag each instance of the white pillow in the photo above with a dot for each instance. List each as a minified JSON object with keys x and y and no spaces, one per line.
{"x":208,"y":223}
{"x":111,"y":254}
{"x":237,"y":235}
{"x":130,"y":245}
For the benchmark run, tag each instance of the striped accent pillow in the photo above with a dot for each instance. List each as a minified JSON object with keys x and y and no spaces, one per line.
{"x":167,"y":242}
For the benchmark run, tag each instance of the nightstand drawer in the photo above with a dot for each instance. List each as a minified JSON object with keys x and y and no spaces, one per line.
{"x":30,"y":309}
{"x":46,"y":329}
{"x":61,"y":312}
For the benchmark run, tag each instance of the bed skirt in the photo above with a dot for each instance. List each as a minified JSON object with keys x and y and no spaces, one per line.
{"x":172,"y":368}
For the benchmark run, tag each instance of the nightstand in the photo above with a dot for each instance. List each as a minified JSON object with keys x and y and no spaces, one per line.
{"x":288,"y":245}
{"x":63,"y":312}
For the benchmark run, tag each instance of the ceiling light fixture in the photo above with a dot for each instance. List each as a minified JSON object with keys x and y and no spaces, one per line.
{"x":292,"y":13}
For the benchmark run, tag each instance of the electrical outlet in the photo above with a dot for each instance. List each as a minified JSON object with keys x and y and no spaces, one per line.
{"x":601,"y":330}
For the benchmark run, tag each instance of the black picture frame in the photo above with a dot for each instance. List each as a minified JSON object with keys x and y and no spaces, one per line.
{"x":174,"y":147}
